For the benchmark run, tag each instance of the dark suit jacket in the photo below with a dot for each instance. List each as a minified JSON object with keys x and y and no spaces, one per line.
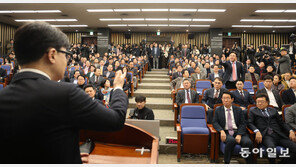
{"x":219,"y":120}
{"x":180,"y":97}
{"x":228,"y":71}
{"x":111,"y":75}
{"x":243,"y":101}
{"x":288,"y":97}
{"x":258,"y":121}
{"x":276,"y":94}
{"x":187,"y":53}
{"x":209,"y":97}
{"x":212,"y":75}
{"x":157,"y":55}
{"x":176,"y":75}
{"x":41,"y":117}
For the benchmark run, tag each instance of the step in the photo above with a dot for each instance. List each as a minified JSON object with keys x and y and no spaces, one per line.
{"x":156,"y":80}
{"x":167,"y":131}
{"x":156,"y":76}
{"x":154,"y":86}
{"x":163,"y":69}
{"x":166,"y":117}
{"x":161,"y":93}
{"x":154,"y":103}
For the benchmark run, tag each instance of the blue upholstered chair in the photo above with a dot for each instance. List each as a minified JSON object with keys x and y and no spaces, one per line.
{"x":1,"y":86}
{"x":7,"y":68}
{"x":260,"y":84}
{"x":202,"y":84}
{"x":193,"y":131}
{"x":248,"y":85}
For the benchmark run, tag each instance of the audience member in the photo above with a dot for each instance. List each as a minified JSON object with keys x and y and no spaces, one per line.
{"x":141,"y":111}
{"x":277,"y":84}
{"x":288,"y":95}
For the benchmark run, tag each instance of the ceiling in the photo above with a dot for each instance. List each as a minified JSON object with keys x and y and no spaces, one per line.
{"x":234,"y":12}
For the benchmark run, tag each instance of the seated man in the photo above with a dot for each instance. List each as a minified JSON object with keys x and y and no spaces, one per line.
{"x":290,"y":116}
{"x":242,"y":97}
{"x":229,"y":121}
{"x":286,"y":79}
{"x":198,"y":74}
{"x":288,"y":95}
{"x":269,"y":70}
{"x":109,"y":73}
{"x":178,"y":73}
{"x":81,"y":81}
{"x":3,"y":74}
{"x":141,"y":112}
{"x":216,"y":73}
{"x":75,"y":77}
{"x":270,"y":128}
{"x":273,"y":95}
{"x":252,"y":76}
{"x":213,"y":96}
{"x":186,"y":95}
{"x":91,"y":91}
{"x":178,"y":82}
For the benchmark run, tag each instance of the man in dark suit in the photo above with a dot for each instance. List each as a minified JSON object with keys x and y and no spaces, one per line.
{"x":49,"y":114}
{"x":178,"y":73}
{"x":109,"y":73}
{"x":156,"y":55}
{"x":185,"y":52}
{"x":288,"y":95}
{"x":186,"y":95}
{"x":216,"y":73}
{"x":102,"y":66}
{"x":273,"y":95}
{"x":270,"y":128}
{"x":229,"y":121}
{"x":242,"y":97}
{"x":234,"y":71}
{"x":213,"y":96}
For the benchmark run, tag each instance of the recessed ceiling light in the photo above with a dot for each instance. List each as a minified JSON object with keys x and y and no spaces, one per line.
{"x":180,"y":19}
{"x":137,"y":25}
{"x":117,"y":25}
{"x":269,"y":11}
{"x":111,"y":19}
{"x":133,"y":19}
{"x":155,"y":10}
{"x":283,"y":26}
{"x":291,"y":20}
{"x":211,"y":10}
{"x":275,"y":20}
{"x":290,"y":11}
{"x":30,"y":11}
{"x":99,"y":10}
{"x":199,"y":25}
{"x":242,"y":26}
{"x":183,"y":10}
{"x":126,"y":10}
{"x":178,"y":25}
{"x":262,"y":26}
{"x":156,"y":19}
{"x":203,"y":19}
{"x":47,"y":20}
{"x":252,"y":20}
{"x":70,"y":25}
{"x":157,"y":25}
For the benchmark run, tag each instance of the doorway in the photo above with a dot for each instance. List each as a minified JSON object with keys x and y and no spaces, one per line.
{"x":228,"y":42}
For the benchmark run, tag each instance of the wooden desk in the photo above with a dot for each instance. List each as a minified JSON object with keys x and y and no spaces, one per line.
{"x":119,"y":147}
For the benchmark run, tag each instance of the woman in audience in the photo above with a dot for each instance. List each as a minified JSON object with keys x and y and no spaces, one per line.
{"x":277,"y":85}
{"x":105,"y":91}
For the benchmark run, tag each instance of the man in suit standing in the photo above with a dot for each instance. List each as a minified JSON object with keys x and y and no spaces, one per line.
{"x":234,"y":71}
{"x":156,"y":55}
{"x":49,"y":114}
{"x":186,"y":95}
{"x":242,"y":97}
{"x":273,"y":95}
{"x":185,"y":52}
{"x":270,"y":128}
{"x":216,"y":73}
{"x":288,"y":95}
{"x":229,"y":121}
{"x":213,"y":96}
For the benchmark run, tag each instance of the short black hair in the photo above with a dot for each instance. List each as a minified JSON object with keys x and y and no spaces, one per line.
{"x":81,"y":76}
{"x":240,"y":80}
{"x":220,"y":79}
{"x":32,"y":41}
{"x":183,"y":72}
{"x":260,"y":95}
{"x":268,"y":77}
{"x":228,"y":93}
{"x":89,"y":86}
{"x":292,"y":78}
{"x":140,"y":99}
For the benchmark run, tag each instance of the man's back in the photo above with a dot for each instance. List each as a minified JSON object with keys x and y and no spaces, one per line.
{"x":47,"y":130}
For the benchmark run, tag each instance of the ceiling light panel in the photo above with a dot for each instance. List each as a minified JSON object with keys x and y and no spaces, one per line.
{"x":269,"y":11}
{"x":211,"y":10}
{"x":203,"y":19}
{"x":157,"y":25}
{"x":117,"y":25}
{"x":199,"y":25}
{"x":30,"y":11}
{"x":290,"y":11}
{"x":70,"y":25}
{"x":180,"y":19}
{"x":100,"y":10}
{"x":47,"y":20}
{"x":137,"y":25}
{"x":110,"y":19}
{"x":178,"y":25}
{"x":156,"y":19}
{"x":183,"y":10}
{"x":252,"y":20}
{"x":127,"y":10}
{"x":246,"y":26}
{"x":155,"y":10}
{"x":133,"y":19}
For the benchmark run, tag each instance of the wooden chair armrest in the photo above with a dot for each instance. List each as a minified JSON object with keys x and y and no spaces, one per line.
{"x":250,"y":131}
{"x":212,"y":129}
{"x":179,"y":128}
{"x":175,"y":105}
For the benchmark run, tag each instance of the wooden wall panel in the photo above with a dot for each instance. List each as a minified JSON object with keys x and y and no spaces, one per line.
{"x":74,"y":37}
{"x":6,"y":33}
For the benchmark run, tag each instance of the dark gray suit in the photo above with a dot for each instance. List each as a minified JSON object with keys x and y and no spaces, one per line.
{"x":180,"y":97}
{"x":42,"y":118}
{"x":276,"y":94}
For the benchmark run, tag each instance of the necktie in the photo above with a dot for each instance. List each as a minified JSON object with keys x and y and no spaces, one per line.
{"x":216,"y":94}
{"x":241,"y":92}
{"x":185,"y":52}
{"x":233,"y":72}
{"x":188,"y":97}
{"x":266,"y":114}
{"x":229,"y":122}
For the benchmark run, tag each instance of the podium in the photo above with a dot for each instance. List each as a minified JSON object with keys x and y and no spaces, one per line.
{"x":120,"y":147}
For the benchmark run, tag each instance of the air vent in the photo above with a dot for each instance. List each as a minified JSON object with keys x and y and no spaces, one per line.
{"x":64,"y":15}
{"x":124,"y":14}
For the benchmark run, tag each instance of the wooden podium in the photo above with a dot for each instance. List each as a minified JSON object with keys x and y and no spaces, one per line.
{"x":120,"y":147}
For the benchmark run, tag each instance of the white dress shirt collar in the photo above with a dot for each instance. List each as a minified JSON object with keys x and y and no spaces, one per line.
{"x":35,"y":71}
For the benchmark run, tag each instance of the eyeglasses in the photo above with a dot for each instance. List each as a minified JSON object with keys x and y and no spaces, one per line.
{"x":65,"y":52}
